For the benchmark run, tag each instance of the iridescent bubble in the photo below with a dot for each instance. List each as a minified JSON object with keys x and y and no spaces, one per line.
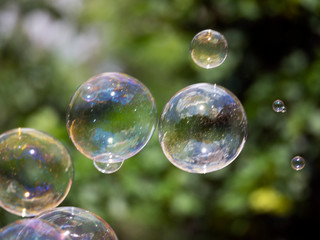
{"x":209,"y":49}
{"x":88,"y":92}
{"x":78,"y":223}
{"x":36,"y":172}
{"x":117,"y":123}
{"x":107,"y":168}
{"x":203,"y":128}
{"x":298,"y":163}
{"x":278,"y":106}
{"x":32,"y":229}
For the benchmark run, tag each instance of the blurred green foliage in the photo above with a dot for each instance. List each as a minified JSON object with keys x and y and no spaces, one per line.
{"x":48,"y":48}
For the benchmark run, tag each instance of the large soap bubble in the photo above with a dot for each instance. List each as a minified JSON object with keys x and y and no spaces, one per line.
{"x":32,"y":229}
{"x":203,"y":128}
{"x":111,"y":117}
{"x":36,"y":172}
{"x":78,"y":223}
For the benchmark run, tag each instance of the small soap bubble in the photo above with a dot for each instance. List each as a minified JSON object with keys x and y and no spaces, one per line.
{"x":107,"y":168}
{"x":77,"y":223}
{"x":88,"y":93}
{"x":111,"y":117}
{"x":209,"y":49}
{"x":298,"y":163}
{"x":203,"y":128}
{"x":278,"y":106}
{"x":36,"y":172}
{"x":32,"y":229}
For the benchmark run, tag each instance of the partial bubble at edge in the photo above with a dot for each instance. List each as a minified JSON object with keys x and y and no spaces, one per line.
{"x":107,"y":168}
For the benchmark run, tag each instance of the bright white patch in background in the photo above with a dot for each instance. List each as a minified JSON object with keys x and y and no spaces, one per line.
{"x":61,"y":37}
{"x":8,"y":20}
{"x":67,"y":6}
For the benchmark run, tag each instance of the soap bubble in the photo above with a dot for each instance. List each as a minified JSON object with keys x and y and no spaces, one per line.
{"x":31,"y":229}
{"x":36,"y":172}
{"x":79,"y":223}
{"x":278,"y":106}
{"x":111,"y":117}
{"x":203,"y":128}
{"x":298,"y":163}
{"x":209,"y":49}
{"x":107,"y":168}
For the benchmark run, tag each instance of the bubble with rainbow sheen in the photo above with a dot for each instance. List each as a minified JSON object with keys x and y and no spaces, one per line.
{"x":77,"y":223}
{"x":32,"y":229}
{"x":36,"y":172}
{"x":111,"y":117}
{"x":297,"y":163}
{"x":202,"y":128}
{"x":279,"y":106}
{"x":209,"y":49}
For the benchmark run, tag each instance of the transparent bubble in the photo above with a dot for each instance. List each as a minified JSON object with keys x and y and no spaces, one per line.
{"x":31,"y":229}
{"x":79,"y":223}
{"x":107,"y":168}
{"x":89,"y":92}
{"x":278,"y":106}
{"x":203,"y":128}
{"x":298,"y":163}
{"x":116,"y":122}
{"x":36,"y":172}
{"x":209,"y":49}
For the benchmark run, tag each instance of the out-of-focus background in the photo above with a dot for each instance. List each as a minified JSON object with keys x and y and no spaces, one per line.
{"x":48,"y":48}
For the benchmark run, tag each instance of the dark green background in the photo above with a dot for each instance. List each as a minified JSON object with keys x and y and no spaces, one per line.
{"x":49,"y":47}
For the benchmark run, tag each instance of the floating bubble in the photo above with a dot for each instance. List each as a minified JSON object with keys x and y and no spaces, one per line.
{"x":209,"y":49}
{"x":278,"y":106}
{"x":111,"y":117}
{"x":203,"y":128}
{"x":78,"y":223}
{"x":36,"y":172}
{"x":298,"y":163}
{"x":31,"y":229}
{"x":89,"y":92}
{"x":107,"y":168}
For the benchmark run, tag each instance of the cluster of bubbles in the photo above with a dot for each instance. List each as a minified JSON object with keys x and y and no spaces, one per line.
{"x":203,"y":128}
{"x":36,"y":174}
{"x":297,"y":163}
{"x":64,"y":223}
{"x":111,"y":117}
